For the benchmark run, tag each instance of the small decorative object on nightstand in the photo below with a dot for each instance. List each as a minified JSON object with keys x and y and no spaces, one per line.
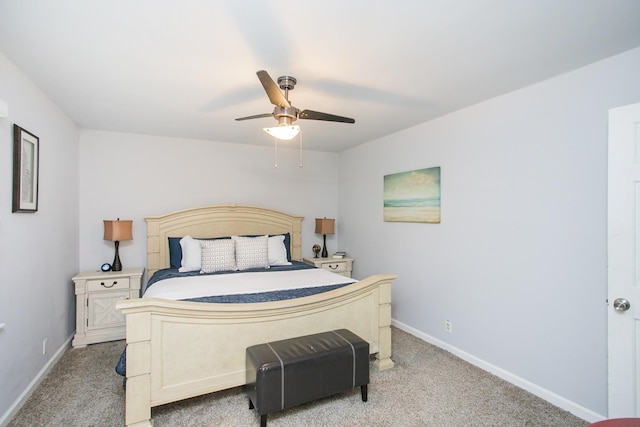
{"x":339,"y":266}
{"x":97,"y":293}
{"x":316,"y":250}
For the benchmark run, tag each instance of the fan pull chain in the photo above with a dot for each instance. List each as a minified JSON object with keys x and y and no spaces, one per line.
{"x":300,"y":164}
{"x":275,"y":156}
{"x":275,"y":143}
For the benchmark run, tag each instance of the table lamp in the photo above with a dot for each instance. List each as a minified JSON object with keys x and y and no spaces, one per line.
{"x":325,"y":226}
{"x":116,"y":231}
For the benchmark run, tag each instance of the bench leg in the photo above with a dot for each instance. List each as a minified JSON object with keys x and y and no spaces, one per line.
{"x":363,"y":392}
{"x":263,"y":418}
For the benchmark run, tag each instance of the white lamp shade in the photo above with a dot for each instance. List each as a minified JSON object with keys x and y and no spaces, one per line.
{"x":283,"y":132}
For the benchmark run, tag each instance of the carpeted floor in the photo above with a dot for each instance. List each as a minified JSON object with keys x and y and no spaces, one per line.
{"x":427,"y":387}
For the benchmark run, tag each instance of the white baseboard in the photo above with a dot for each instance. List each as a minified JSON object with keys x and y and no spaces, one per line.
{"x":6,"y":417}
{"x":549,"y":396}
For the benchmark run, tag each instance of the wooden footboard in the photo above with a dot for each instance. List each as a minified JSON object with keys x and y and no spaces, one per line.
{"x":177,"y":350}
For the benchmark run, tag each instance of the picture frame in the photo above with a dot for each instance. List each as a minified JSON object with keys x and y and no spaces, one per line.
{"x":26,"y":167}
{"x":413,"y":196}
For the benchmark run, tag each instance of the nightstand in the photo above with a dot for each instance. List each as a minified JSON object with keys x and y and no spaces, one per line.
{"x":97,"y":293}
{"x":335,"y":265}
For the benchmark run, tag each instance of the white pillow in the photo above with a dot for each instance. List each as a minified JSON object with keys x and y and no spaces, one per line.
{"x":191,"y":253}
{"x":277,"y":251}
{"x":252,"y":252}
{"x":217,"y":255}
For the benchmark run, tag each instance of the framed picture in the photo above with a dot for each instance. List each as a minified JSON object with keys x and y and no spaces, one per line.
{"x":26,"y":149}
{"x":413,"y":196}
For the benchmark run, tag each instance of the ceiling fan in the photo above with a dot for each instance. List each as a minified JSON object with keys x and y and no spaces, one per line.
{"x":285,"y":113}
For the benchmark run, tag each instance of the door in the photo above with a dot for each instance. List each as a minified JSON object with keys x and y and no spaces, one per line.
{"x":624,"y":256}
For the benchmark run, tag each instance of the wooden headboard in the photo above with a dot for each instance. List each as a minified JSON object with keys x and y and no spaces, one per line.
{"x":217,"y":221}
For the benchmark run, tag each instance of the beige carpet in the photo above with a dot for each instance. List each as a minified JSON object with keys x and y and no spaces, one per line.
{"x":427,"y":387}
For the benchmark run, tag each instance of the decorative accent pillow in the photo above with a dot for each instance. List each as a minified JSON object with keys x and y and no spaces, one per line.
{"x":277,"y":251}
{"x":191,"y":254}
{"x":217,"y":255}
{"x":252,"y":252}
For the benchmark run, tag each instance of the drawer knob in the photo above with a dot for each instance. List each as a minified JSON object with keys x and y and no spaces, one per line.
{"x":333,"y":267}
{"x":115,"y":282}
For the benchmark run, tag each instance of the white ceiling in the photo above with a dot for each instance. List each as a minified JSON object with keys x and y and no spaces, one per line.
{"x":186,"y":68}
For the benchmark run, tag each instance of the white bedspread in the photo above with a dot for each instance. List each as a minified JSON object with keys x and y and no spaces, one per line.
{"x":242,"y":283}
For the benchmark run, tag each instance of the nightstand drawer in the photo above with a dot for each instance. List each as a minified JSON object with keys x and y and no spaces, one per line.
{"x":336,"y":267}
{"x":108,"y":284}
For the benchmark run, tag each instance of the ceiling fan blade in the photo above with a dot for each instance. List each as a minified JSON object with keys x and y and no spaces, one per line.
{"x":316,"y":115}
{"x":273,"y":91}
{"x":257,"y":116}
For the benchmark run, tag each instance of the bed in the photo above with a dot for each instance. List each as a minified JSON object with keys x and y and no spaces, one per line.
{"x":181,"y":349}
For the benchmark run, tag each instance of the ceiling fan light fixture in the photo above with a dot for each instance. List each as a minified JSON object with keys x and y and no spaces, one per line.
{"x":283,"y":132}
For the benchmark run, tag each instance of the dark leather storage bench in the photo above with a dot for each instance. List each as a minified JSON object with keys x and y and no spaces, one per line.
{"x":286,"y":373}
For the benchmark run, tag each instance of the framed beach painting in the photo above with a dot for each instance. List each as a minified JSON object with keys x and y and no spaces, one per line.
{"x":413,"y":196}
{"x":26,"y":149}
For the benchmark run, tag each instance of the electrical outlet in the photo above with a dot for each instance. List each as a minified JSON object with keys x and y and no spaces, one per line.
{"x":44,"y":346}
{"x":448,"y":326}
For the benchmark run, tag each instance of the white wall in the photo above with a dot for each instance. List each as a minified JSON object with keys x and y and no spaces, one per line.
{"x":38,"y":251}
{"x":132,"y":176}
{"x":519,"y":262}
